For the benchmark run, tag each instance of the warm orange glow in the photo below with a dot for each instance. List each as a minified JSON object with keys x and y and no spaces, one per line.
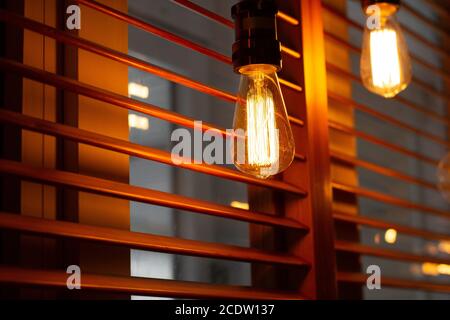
{"x":432,"y":249}
{"x":288,"y":18}
{"x":240,"y":205}
{"x":444,"y":246}
{"x":138,"y":90}
{"x":444,"y":269}
{"x":433,"y":269}
{"x":390,"y":236}
{"x":385,"y":62}
{"x":376,"y":238}
{"x":430,"y":269}
{"x":263,"y":140}
{"x":138,"y":122}
{"x":266,"y":146}
{"x":384,"y":58}
{"x":291,"y":52}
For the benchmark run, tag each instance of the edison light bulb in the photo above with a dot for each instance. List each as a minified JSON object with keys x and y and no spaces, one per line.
{"x":264,"y":144}
{"x":385,"y":63}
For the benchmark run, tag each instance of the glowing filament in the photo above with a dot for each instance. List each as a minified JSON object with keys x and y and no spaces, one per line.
{"x":262,"y":147}
{"x":384,"y":57}
{"x":265,"y":145}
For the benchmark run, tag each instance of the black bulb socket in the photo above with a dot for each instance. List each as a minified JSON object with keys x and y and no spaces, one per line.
{"x":256,"y":34}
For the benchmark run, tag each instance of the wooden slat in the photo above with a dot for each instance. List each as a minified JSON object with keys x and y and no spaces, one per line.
{"x":205,"y":13}
{"x":380,"y":224}
{"x":287,"y":18}
{"x":386,"y":253}
{"x":133,"y":193}
{"x":442,"y":73}
{"x":109,"y":97}
{"x":174,"y":38}
{"x":414,"y":34}
{"x":352,"y":277}
{"x":378,"y":196}
{"x":353,"y":161}
{"x":147,"y":27}
{"x":132,"y":149}
{"x":440,"y":10}
{"x":351,"y":131}
{"x":341,"y":157}
{"x":140,"y":286}
{"x":425,"y":86}
{"x":95,"y":48}
{"x":425,"y":41}
{"x":142,"y":241}
{"x":429,"y":22}
{"x":102,"y":95}
{"x":228,"y":23}
{"x":426,"y":111}
{"x":347,"y":102}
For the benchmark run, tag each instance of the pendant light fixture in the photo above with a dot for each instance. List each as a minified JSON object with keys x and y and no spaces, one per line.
{"x":385,"y":62}
{"x":265,"y":144}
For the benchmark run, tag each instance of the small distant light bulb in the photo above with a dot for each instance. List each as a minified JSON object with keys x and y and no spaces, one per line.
{"x":138,"y":90}
{"x":385,"y":63}
{"x":444,"y":246}
{"x":390,"y":236}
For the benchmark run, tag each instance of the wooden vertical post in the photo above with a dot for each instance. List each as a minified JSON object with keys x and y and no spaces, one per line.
{"x":106,"y":119}
{"x":320,"y":197}
{"x":343,"y":143}
{"x":11,"y":47}
{"x":100,"y":117}
{"x":38,"y":100}
{"x":313,"y":175}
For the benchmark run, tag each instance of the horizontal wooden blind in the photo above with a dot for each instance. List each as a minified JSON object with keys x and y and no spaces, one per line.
{"x":295,"y":214}
{"x":350,"y":109}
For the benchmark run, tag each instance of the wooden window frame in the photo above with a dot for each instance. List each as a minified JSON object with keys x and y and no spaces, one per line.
{"x":305,"y":93}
